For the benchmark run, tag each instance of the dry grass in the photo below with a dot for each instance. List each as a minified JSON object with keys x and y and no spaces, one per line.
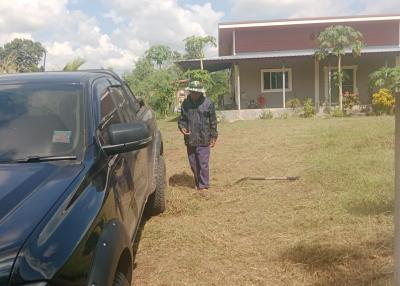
{"x":333,"y":227}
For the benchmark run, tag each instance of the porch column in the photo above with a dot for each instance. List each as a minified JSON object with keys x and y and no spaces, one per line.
{"x":316,"y":84}
{"x":237,"y":85}
{"x":283,"y":85}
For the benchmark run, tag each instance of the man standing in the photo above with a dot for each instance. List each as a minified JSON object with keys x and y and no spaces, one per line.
{"x":198,"y":124}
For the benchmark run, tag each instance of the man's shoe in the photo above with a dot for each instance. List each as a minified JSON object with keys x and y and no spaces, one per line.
{"x":204,"y":193}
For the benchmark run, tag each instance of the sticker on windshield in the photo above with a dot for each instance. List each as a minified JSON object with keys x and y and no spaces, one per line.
{"x":62,"y":137}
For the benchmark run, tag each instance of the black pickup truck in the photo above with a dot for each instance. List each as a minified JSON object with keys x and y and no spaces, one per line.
{"x":80,"y":158}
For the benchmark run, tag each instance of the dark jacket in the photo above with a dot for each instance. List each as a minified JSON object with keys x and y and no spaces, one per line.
{"x":200,"y":119}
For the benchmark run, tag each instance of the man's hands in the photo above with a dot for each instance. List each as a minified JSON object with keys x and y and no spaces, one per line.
{"x":212,"y":142}
{"x":185,"y":131}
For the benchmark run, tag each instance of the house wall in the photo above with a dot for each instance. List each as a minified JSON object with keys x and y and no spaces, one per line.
{"x":303,"y":77}
{"x":291,"y":37}
{"x":302,"y":80}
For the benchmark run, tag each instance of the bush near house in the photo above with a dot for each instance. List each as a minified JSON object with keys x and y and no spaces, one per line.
{"x":383,"y":102}
{"x":385,"y":77}
{"x":293,"y":103}
{"x":350,"y":100}
{"x":308,"y":108}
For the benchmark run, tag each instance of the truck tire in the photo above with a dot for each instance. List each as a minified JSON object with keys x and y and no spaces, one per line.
{"x":120,"y":280}
{"x":156,"y":201}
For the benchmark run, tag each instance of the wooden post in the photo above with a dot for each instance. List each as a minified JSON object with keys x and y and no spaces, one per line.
{"x":316,"y":84}
{"x":237,"y":85}
{"x":283,"y":85}
{"x":397,"y":196}
{"x":329,"y":87}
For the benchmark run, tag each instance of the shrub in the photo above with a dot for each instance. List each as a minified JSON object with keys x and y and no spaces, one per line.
{"x":383,"y":102}
{"x":350,"y":99}
{"x":385,"y":77}
{"x":293,"y":103}
{"x":336,"y":112}
{"x":308,"y":108}
{"x":266,"y":115}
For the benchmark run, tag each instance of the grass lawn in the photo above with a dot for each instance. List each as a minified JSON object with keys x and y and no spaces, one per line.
{"x":332,"y":227}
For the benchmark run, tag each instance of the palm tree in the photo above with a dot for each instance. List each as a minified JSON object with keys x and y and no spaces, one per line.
{"x":74,"y":65}
{"x":337,"y":40}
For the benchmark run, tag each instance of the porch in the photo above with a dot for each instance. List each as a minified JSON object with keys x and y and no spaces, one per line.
{"x":267,"y":81}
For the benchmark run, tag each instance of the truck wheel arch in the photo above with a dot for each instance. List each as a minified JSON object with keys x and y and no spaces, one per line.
{"x":113,"y":253}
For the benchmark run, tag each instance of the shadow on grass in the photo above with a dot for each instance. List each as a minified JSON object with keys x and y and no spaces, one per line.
{"x":181,"y":180}
{"x":334,"y":265}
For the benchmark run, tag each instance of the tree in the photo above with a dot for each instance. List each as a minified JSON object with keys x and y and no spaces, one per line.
{"x":216,"y":84}
{"x":385,"y":77}
{"x":220,"y":86}
{"x":195,"y":45}
{"x":156,"y":86}
{"x":8,"y":64}
{"x":337,"y":40}
{"x":159,"y":54}
{"x":74,"y":65}
{"x":26,"y":53}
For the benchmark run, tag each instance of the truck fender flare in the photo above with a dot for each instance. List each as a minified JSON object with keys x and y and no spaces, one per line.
{"x":113,"y":241}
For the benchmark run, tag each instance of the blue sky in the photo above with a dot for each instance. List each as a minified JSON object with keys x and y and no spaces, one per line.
{"x":116,"y":33}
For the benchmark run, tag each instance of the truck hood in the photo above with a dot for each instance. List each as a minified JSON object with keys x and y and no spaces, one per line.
{"x":27,"y":192}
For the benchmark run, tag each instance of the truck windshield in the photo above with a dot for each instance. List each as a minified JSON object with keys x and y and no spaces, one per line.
{"x":40,"y":120}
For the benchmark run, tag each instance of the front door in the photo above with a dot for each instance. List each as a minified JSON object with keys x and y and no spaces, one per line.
{"x":348,"y":85}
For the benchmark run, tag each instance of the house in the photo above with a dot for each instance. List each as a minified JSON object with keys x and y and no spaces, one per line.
{"x":272,"y":62}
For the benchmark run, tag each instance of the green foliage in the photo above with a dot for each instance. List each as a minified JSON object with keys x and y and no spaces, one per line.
{"x":159,"y":54}
{"x":8,"y":64}
{"x":202,"y":76}
{"x":350,"y":100}
{"x":216,"y":83}
{"x":338,"y":77}
{"x":336,"y":39}
{"x":293,"y":103}
{"x":26,"y":54}
{"x":385,"y":77}
{"x":195,"y":45}
{"x":308,"y":108}
{"x":74,"y":65}
{"x":156,"y":86}
{"x":383,"y":102}
{"x":336,"y":112}
{"x":266,"y":114}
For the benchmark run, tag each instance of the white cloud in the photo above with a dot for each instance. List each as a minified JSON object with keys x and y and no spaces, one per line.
{"x":165,"y":21}
{"x":273,"y":9}
{"x":113,"y":16}
{"x":136,"y":24}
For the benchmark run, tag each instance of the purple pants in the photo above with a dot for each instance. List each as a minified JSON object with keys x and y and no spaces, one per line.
{"x":198,"y":158}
